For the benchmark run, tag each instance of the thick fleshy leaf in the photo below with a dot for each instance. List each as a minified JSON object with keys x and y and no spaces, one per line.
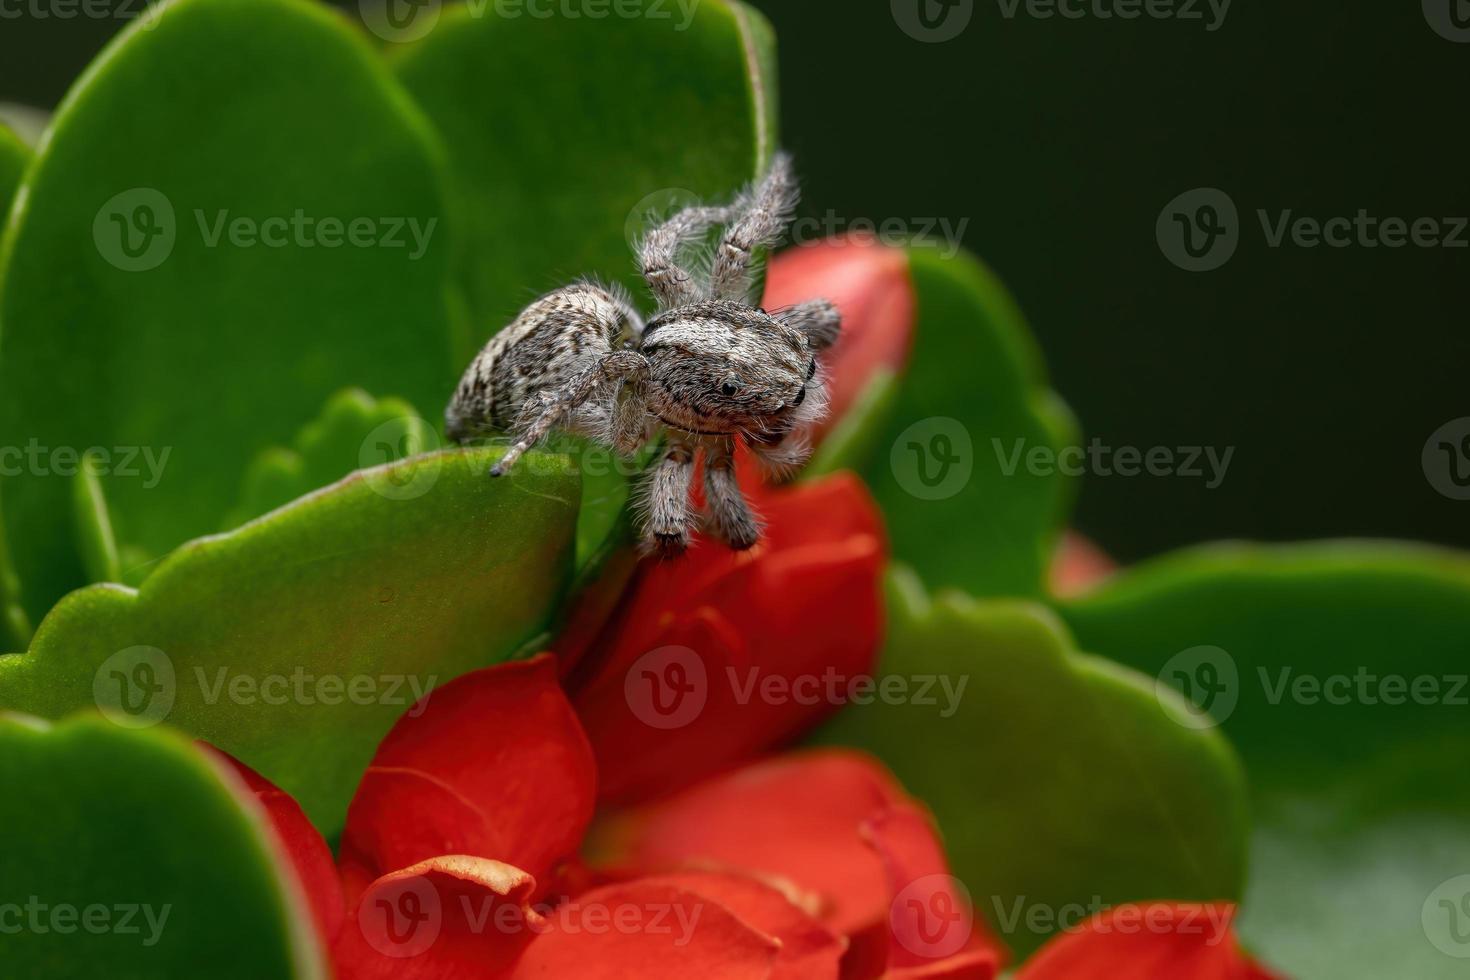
{"x":795,"y":820}
{"x":354,"y":431}
{"x":1154,"y":941}
{"x":14,"y":156}
{"x":947,"y":452}
{"x":1339,"y":669}
{"x":495,"y":766}
{"x":710,"y":661}
{"x":931,"y":930}
{"x":201,"y":303}
{"x":1056,"y":778}
{"x":132,"y":854}
{"x":451,"y":918}
{"x":647,"y":930}
{"x":660,"y":108}
{"x":295,"y":642}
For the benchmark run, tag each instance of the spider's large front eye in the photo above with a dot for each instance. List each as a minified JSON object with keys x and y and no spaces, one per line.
{"x":730,"y":388}
{"x":811,"y":369}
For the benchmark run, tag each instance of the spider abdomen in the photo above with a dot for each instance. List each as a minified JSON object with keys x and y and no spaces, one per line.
{"x":549,"y":343}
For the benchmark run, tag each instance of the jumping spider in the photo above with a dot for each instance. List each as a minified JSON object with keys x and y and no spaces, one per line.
{"x":708,"y":368}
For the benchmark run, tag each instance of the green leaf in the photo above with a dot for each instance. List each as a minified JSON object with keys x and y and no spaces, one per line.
{"x":14,"y":156}
{"x":354,"y":431}
{"x":295,"y":641}
{"x":973,"y":395}
{"x":1056,"y":778}
{"x":853,"y":440}
{"x":1362,"y":805}
{"x":140,"y":312}
{"x":131,"y":855}
{"x":565,"y":133}
{"x":97,"y":543}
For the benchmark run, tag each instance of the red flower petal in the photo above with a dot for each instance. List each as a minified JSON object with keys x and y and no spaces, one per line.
{"x":794,"y":819}
{"x":871,"y":287}
{"x":809,"y":950}
{"x":302,"y":845}
{"x":647,"y":930}
{"x":711,"y":661}
{"x":1078,"y":565}
{"x":495,"y":766}
{"x":452,"y":918}
{"x":932,"y":930}
{"x":1156,"y":941}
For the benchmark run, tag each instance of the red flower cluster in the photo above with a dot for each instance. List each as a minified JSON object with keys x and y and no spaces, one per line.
{"x":474,"y":848}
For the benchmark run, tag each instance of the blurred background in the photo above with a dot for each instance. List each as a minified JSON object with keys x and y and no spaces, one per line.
{"x":1051,"y":145}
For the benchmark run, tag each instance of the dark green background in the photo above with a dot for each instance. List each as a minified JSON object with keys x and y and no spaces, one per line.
{"x":1061,"y":141}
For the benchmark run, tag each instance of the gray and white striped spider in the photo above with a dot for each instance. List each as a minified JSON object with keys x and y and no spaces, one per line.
{"x":707,"y":369}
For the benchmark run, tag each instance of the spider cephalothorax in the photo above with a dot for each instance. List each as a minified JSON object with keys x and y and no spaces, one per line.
{"x":708,"y":368}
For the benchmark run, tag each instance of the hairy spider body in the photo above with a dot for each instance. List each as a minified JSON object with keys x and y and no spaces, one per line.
{"x":707,"y":369}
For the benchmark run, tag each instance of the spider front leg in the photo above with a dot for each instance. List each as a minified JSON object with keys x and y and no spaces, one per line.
{"x":630,"y":418}
{"x":760,"y":226}
{"x":556,"y":405}
{"x":669,"y":513}
{"x":729,"y":517}
{"x":658,"y":255}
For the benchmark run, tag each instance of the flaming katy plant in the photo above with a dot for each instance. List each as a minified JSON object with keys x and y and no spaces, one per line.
{"x":297,"y":692}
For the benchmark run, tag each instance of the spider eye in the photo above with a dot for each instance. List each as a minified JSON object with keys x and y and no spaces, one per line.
{"x":811,"y":369}
{"x":730,"y":387}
